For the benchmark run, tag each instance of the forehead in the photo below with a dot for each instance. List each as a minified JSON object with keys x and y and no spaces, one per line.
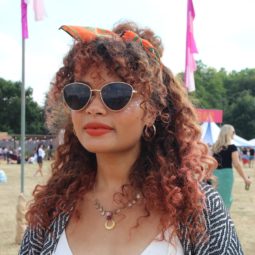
{"x":97,"y":75}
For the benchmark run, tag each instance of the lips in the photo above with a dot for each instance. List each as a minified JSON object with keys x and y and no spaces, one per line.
{"x":97,"y":129}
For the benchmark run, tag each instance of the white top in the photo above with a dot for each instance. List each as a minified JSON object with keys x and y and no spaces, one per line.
{"x":41,"y":152}
{"x":154,"y":248}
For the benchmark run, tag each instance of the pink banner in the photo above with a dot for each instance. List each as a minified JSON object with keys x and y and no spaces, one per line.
{"x":210,"y":115}
{"x":39,"y":10}
{"x":24,"y":19}
{"x":190,"y":64}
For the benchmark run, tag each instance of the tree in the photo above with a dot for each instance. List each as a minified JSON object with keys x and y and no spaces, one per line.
{"x":232,"y":92}
{"x":210,"y":91}
{"x":10,"y":110}
{"x":240,"y":114}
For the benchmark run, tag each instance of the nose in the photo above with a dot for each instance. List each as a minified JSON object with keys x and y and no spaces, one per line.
{"x":96,"y":106}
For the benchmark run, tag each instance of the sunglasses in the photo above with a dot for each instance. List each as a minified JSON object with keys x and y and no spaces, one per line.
{"x":114,"y":95}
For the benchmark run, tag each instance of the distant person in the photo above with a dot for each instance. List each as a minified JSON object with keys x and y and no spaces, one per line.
{"x":40,"y":155}
{"x":32,"y":158}
{"x":5,"y":153}
{"x":251,"y":159}
{"x":1,"y":152}
{"x":10,"y":155}
{"x":3,"y":176}
{"x":227,"y":156}
{"x":244,"y":151}
{"x":245,"y":157}
{"x":50,"y":152}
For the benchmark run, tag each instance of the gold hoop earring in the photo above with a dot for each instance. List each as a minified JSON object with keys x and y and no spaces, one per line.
{"x":149,"y":132}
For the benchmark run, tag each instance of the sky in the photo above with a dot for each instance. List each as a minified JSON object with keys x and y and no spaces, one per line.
{"x":224,"y":32}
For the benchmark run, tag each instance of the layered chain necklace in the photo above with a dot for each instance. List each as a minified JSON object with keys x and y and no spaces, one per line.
{"x":110,"y":223}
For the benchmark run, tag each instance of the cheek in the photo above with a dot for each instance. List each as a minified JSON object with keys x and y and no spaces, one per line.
{"x":76,"y":119}
{"x":132,"y":119}
{"x":135,"y":107}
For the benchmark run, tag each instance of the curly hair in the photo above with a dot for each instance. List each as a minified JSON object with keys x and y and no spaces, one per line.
{"x":169,"y":168}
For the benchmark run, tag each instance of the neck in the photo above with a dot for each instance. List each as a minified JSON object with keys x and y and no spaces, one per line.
{"x":113,"y":170}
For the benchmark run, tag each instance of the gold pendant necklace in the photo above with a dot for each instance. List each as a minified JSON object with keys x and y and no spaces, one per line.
{"x":110,"y":223}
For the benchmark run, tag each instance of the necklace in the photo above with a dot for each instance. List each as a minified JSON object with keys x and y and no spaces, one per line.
{"x":109,"y":214}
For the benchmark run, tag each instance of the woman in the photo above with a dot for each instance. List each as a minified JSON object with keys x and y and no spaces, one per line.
{"x":128,"y":177}
{"x":227,"y":155}
{"x":40,"y":155}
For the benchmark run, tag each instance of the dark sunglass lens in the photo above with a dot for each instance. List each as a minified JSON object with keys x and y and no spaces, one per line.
{"x":76,"y":95}
{"x":116,"y":95}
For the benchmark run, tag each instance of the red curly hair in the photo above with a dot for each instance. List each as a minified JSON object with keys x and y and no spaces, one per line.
{"x":170,"y":167}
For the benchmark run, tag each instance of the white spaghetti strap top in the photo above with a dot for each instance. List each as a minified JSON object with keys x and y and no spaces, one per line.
{"x":62,"y":246}
{"x":154,"y":248}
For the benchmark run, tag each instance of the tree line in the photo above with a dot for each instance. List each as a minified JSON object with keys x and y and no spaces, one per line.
{"x":233,"y":92}
{"x":10,"y":110}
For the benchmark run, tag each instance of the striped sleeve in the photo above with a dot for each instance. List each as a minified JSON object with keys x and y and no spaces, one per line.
{"x":222,"y":234}
{"x":32,"y":242}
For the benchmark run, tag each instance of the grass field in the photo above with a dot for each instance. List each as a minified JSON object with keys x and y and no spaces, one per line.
{"x":242,"y":212}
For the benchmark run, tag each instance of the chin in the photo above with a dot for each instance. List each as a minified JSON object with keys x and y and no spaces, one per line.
{"x":102,"y":150}
{"x":108,"y":144}
{"x":99,"y":147}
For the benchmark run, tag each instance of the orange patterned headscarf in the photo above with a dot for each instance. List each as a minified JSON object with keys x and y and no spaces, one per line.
{"x":87,"y":34}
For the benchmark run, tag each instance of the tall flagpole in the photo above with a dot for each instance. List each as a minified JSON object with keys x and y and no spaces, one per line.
{"x":23,"y":97}
{"x":23,"y":118}
{"x":21,"y":206}
{"x":39,"y":15}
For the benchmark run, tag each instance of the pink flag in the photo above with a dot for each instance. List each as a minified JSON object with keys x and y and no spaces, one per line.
{"x":39,"y":10}
{"x":190,"y":64}
{"x":24,"y":19}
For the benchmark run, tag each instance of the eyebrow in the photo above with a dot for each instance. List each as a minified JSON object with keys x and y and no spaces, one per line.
{"x":86,"y":82}
{"x":91,"y":85}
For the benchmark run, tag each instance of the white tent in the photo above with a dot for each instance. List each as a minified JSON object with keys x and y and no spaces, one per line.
{"x":252,"y":141}
{"x":210,"y":133}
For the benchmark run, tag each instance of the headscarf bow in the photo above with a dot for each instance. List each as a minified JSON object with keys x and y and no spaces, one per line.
{"x":87,"y":34}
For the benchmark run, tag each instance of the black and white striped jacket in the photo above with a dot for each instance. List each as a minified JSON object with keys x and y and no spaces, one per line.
{"x":223,"y":239}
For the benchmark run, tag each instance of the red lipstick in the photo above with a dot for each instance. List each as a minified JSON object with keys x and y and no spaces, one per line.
{"x":97,"y":129}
